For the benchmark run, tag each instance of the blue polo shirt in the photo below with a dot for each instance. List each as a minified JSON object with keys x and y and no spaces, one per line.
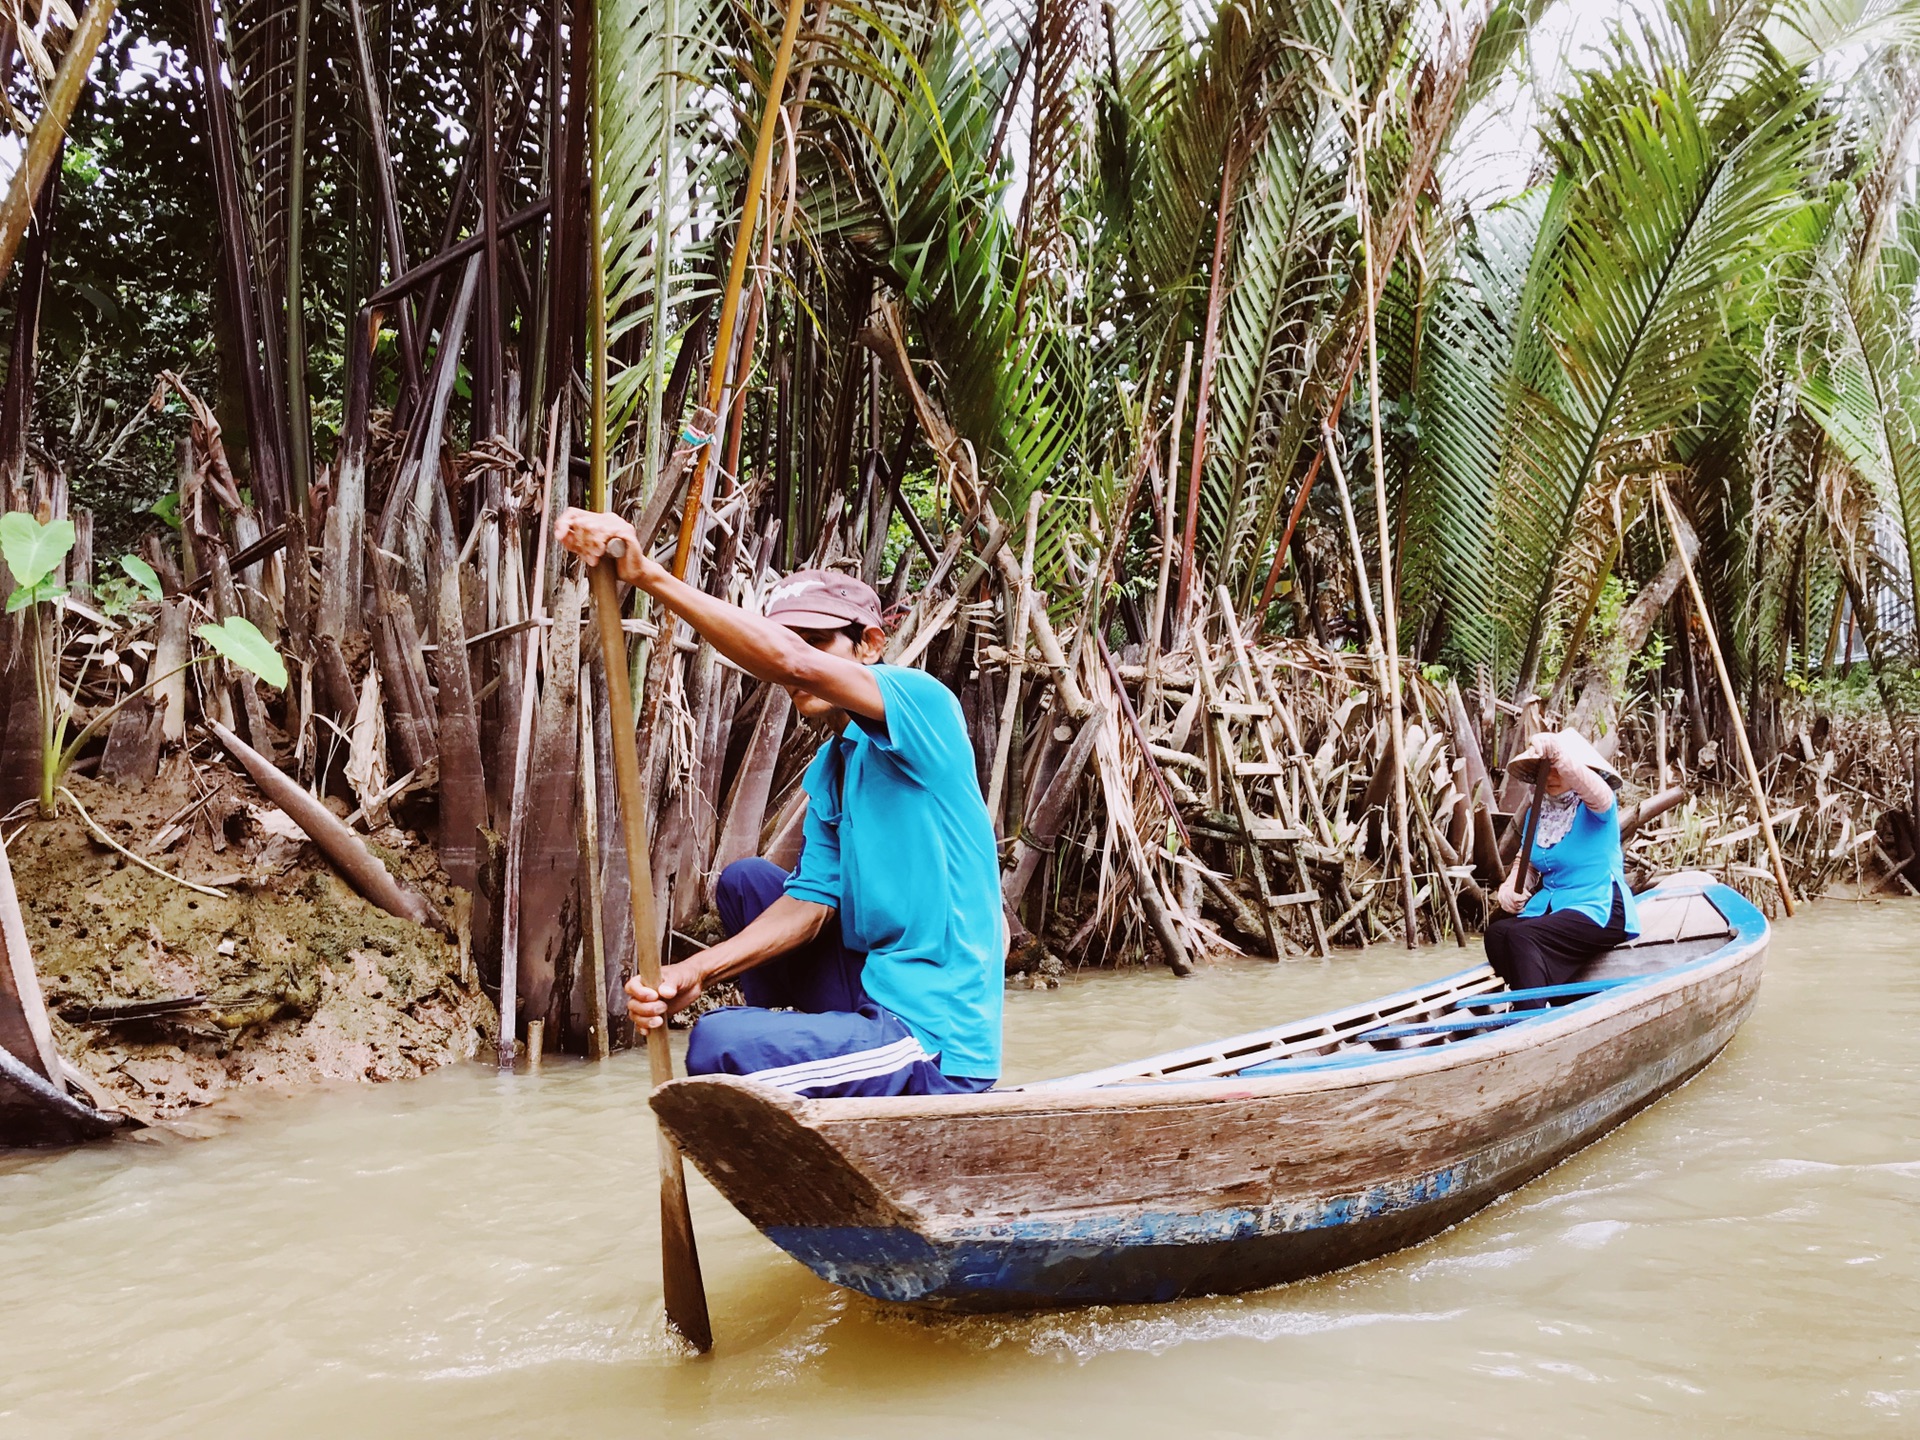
{"x":1582,"y":871}
{"x":898,"y":841}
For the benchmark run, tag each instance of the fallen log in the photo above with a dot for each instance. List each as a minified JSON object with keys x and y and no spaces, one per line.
{"x":347,"y":852}
{"x":1652,"y":808}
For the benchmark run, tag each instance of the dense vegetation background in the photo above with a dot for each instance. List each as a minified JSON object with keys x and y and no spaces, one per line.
{"x":1227,"y":285}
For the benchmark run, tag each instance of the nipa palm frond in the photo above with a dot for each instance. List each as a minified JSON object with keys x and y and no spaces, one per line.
{"x":652,"y":99}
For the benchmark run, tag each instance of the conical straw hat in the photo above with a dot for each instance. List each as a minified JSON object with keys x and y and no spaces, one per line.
{"x":1573,"y":746}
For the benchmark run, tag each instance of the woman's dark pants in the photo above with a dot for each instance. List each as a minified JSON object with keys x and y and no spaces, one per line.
{"x":1528,"y":951}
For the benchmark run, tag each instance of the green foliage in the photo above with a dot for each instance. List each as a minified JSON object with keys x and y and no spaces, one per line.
{"x":33,"y":553}
{"x":1711,"y":277}
{"x":128,"y":282}
{"x":652,"y":93}
{"x":237,"y":641}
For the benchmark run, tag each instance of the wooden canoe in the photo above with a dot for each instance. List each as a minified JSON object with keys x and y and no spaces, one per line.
{"x":1265,"y":1158}
{"x":40,"y":1099}
{"x":36,"y":1111}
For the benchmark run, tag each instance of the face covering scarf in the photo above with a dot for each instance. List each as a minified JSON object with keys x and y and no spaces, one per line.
{"x":1556,"y":818}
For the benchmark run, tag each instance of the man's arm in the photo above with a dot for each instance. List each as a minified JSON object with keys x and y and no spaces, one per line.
{"x":784,"y":925}
{"x":760,"y":647}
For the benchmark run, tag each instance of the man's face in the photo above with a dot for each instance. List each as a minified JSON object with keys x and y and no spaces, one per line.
{"x":841,"y":644}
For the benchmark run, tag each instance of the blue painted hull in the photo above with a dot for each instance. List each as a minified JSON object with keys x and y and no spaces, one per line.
{"x":1147,"y":1193}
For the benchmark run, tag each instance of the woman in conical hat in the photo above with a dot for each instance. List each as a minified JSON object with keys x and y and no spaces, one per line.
{"x":1582,"y":906}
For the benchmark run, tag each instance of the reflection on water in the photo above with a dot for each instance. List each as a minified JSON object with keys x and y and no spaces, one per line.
{"x":467,"y":1252}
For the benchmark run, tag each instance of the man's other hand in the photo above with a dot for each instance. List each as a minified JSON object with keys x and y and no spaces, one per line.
{"x":680,"y":986}
{"x":586,"y":533}
{"x":1512,"y":899}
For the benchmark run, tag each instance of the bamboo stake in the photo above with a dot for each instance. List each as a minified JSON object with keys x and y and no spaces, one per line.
{"x":596,"y":939}
{"x":1365,"y":586}
{"x":1732,"y":699}
{"x":522,"y":761}
{"x":1389,"y":605}
{"x":1017,"y":671}
{"x":1209,"y":354}
{"x":736,"y":272}
{"x":1150,"y":696}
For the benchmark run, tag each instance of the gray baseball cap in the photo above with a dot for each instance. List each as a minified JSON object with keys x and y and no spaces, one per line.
{"x":822,"y":600}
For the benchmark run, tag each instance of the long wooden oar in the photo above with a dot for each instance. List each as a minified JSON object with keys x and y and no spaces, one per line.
{"x":686,"y":1293}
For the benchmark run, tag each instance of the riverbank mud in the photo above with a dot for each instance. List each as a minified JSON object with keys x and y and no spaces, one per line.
{"x":166,"y":998}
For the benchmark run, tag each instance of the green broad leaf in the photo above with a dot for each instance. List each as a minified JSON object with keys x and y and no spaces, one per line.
{"x":33,"y":550}
{"x":45,"y":588}
{"x":142,"y":574}
{"x":167,"y":507}
{"x":238,"y":642}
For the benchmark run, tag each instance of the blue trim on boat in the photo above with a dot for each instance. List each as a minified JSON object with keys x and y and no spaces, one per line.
{"x":1440,"y":1027}
{"x":1024,"y":1256}
{"x":1543,"y":992}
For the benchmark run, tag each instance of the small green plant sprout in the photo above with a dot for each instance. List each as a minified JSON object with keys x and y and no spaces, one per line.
{"x":234,"y":640}
{"x":33,"y":553}
{"x":121,"y":590}
{"x":142,"y":574}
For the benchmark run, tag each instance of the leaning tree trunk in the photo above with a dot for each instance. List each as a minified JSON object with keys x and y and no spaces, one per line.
{"x":1601,"y":679}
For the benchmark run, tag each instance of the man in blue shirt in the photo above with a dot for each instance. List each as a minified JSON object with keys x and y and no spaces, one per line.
{"x":877,"y":967}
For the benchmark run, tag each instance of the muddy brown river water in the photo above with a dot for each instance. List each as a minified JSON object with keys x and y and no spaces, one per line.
{"x":466,"y":1255}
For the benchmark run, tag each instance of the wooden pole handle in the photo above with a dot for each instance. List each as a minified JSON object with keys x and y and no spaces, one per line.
{"x":1533,"y":824}
{"x":685,"y":1292}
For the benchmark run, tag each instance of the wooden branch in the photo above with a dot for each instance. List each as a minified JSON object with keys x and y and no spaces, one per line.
{"x":1004,"y":739}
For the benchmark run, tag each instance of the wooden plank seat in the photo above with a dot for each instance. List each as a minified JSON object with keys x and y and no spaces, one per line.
{"x":1318,"y":1036}
{"x":1467,"y":1024}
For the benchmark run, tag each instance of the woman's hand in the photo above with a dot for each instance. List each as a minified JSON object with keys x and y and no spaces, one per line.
{"x":1511,"y":900}
{"x":680,"y":985}
{"x":587,"y":534}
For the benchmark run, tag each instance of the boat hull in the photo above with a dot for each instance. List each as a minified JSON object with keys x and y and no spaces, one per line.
{"x":1143,"y":1193}
{"x":36,"y":1113}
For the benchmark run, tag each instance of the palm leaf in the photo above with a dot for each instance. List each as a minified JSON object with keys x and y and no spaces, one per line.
{"x":1675,"y":208}
{"x":1467,"y":378}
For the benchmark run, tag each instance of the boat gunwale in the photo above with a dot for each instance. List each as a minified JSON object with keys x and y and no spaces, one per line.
{"x":1747,"y":940}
